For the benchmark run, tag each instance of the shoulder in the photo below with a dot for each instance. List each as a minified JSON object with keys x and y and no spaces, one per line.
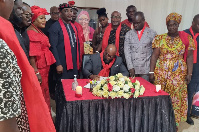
{"x":55,"y":26}
{"x":124,"y":21}
{"x":118,"y":59}
{"x":95,"y":56}
{"x":33,"y":36}
{"x":125,"y":28}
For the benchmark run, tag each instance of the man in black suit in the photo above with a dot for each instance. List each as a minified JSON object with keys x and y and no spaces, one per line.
{"x":104,"y":64}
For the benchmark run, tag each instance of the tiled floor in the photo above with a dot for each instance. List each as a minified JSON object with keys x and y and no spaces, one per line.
{"x":184,"y":126}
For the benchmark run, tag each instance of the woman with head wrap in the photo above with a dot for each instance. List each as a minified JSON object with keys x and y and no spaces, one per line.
{"x":171,"y":64}
{"x":83,"y":19}
{"x":40,"y":56}
{"x":99,"y":32}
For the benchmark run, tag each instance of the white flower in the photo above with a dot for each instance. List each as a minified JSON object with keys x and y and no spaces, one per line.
{"x":126,"y":88}
{"x":120,"y":93}
{"x":116,"y":88}
{"x":122,"y":80}
{"x":105,"y":87}
{"x":142,"y":89}
{"x":112,"y":83}
{"x":120,"y":84}
{"x":126,"y":95}
{"x":119,"y":75}
{"x":103,"y":81}
{"x":127,"y":79}
{"x":137,"y":82}
{"x":105,"y":94}
{"x":112,"y":78}
{"x":130,"y":84}
{"x":137,"y":87}
{"x":136,"y":94}
{"x":112,"y":94}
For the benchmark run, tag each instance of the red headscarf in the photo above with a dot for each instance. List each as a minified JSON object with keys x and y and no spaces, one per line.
{"x":37,"y":11}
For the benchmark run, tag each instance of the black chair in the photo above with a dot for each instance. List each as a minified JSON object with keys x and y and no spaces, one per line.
{"x":86,"y":58}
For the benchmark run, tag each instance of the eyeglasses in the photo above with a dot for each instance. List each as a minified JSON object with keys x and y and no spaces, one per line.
{"x":55,"y":13}
{"x":116,"y":17}
{"x":81,"y":19}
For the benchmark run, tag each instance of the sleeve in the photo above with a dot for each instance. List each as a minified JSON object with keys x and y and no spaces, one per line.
{"x":123,"y":69}
{"x":53,"y":39}
{"x":191,"y":43}
{"x":87,"y":70}
{"x":127,"y":51}
{"x":156,"y":42}
{"x":10,"y":104}
{"x":94,"y":40}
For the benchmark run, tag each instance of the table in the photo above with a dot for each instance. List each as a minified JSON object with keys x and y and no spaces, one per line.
{"x":152,"y":112}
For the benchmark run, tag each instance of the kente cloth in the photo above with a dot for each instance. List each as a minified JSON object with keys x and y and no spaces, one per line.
{"x":39,"y":116}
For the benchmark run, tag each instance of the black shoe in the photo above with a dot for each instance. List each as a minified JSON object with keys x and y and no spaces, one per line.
{"x":190,"y":121}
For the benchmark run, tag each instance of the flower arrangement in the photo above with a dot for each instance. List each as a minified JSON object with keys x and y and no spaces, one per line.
{"x":118,"y":86}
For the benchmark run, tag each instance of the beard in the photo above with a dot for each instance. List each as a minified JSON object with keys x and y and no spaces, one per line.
{"x":17,"y":20}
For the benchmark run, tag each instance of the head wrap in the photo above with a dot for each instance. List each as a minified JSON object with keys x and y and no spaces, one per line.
{"x":174,"y":16}
{"x":37,"y":11}
{"x":66,"y":5}
{"x":85,"y":13}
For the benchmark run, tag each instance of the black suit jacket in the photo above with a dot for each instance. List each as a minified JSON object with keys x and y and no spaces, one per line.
{"x":94,"y":66}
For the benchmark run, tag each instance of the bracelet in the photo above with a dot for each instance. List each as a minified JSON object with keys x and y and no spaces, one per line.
{"x":151,"y":72}
{"x":190,"y":74}
{"x":37,"y":73}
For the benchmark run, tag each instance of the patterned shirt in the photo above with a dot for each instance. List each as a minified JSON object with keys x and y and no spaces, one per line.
{"x":10,"y":86}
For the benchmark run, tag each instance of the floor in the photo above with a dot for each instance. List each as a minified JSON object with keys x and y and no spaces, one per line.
{"x":184,"y":126}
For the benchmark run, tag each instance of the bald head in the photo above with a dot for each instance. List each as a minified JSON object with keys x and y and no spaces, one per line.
{"x":109,"y":53}
{"x":54,"y":12}
{"x":115,"y":19}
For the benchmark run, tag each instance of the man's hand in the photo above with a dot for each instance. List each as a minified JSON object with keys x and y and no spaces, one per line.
{"x":95,"y":77}
{"x":188,"y":78}
{"x":59,"y":69}
{"x":151,"y":78}
{"x":132,"y":72}
{"x":39,"y":78}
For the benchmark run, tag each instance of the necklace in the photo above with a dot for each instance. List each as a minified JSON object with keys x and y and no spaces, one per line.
{"x":171,"y":49}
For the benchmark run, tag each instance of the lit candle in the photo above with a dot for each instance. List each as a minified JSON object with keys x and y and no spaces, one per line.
{"x":79,"y":90}
{"x":158,"y":88}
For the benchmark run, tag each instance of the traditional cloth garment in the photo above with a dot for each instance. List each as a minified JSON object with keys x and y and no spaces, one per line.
{"x":106,"y":67}
{"x":129,"y":24}
{"x":171,"y":71}
{"x":39,"y":117}
{"x":174,"y":16}
{"x":111,"y":35}
{"x":39,"y":48}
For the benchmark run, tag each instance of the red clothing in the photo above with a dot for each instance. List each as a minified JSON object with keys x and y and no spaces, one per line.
{"x":39,"y":47}
{"x":81,"y":39}
{"x":129,"y":23}
{"x":39,"y":116}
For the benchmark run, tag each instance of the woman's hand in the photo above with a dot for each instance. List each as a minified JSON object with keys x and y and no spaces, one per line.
{"x":39,"y":77}
{"x":151,"y":78}
{"x":188,"y":78}
{"x":59,"y":69}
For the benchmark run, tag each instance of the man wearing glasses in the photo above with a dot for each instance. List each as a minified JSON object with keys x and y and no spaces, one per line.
{"x":54,"y":12}
{"x":115,"y":34}
{"x":104,"y":64}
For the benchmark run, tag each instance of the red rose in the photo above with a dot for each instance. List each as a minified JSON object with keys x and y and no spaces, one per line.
{"x":109,"y":87}
{"x":132,"y":90}
{"x":71,"y":3}
{"x":107,"y":79}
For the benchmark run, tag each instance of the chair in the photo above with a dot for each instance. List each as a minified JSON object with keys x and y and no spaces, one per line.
{"x":86,"y":58}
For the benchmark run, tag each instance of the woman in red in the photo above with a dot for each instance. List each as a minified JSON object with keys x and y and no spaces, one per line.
{"x":40,"y":56}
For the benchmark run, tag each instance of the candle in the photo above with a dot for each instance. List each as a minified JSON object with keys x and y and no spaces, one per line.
{"x":158,"y":88}
{"x":79,"y":90}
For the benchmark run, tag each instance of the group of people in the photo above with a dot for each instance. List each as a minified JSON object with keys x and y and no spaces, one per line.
{"x":37,"y":54}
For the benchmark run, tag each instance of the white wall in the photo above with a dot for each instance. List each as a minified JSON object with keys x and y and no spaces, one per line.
{"x":155,"y":11}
